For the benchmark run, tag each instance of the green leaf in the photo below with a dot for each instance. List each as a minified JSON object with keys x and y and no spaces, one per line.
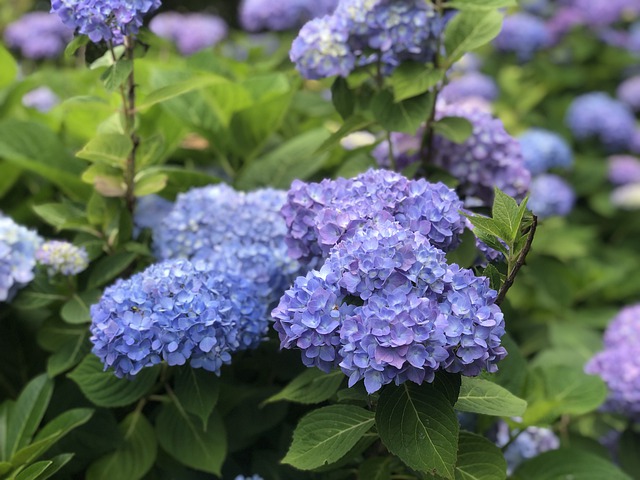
{"x":198,"y":392}
{"x":411,"y":79}
{"x":479,"y":459}
{"x":76,"y":310}
{"x":482,"y":396}
{"x":448,"y":384}
{"x":108,"y":268}
{"x":512,"y":371}
{"x":488,"y":227}
{"x":496,"y":279}
{"x":352,"y":124}
{"x":325,"y":435}
{"x":181,"y":179}
{"x":568,"y":463}
{"x":72,"y":47}
{"x":419,"y":425}
{"x":376,"y":468}
{"x":311,"y":386}
{"x":405,"y":116}
{"x":469,"y":30}
{"x":456,"y":129}
{"x":110,"y":149}
{"x":27,"y":414}
{"x":480,"y":4}
{"x":294,"y":159}
{"x":32,"y":472}
{"x":147,"y":183}
{"x":135,"y":455}
{"x":181,"y":435}
{"x":69,"y":354}
{"x":105,"y":389}
{"x":168,"y":92}
{"x":53,"y":466}
{"x":114,"y":76}
{"x":343,"y":98}
{"x":108,"y":58}
{"x":8,"y":68}
{"x":628,"y":448}
{"x":59,"y":214}
{"x":508,"y":215}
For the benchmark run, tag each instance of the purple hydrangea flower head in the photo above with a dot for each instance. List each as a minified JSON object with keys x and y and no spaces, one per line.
{"x":108,"y":20}
{"x":619,"y":363}
{"x":256,"y":15}
{"x":629,"y":92}
{"x":320,"y":50}
{"x":624,"y":169}
{"x":472,"y":84}
{"x":178,"y":312}
{"x":386,"y":307}
{"x":562,"y":22}
{"x":633,"y":41}
{"x":634,"y":144}
{"x":551,"y":196}
{"x":601,"y":13}
{"x":191,"y":32}
{"x":544,"y":150}
{"x":524,"y":34}
{"x":319,"y":215}
{"x":38,"y":35}
{"x":18,"y":246}
{"x":62,"y":258}
{"x":597,"y":115}
{"x":233,"y":231}
{"x":468,"y":63}
{"x":42,"y":99}
{"x":252,"y":477}
{"x":150,"y":211}
{"x":528,"y":444}
{"x":406,"y":150}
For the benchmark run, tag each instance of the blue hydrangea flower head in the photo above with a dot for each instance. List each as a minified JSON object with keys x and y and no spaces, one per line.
{"x":252,"y":477}
{"x":386,"y":307}
{"x":597,"y":115}
{"x":18,"y":247}
{"x":176,"y":312}
{"x":42,"y":99}
{"x":62,"y":258}
{"x":474,"y":84}
{"x":550,"y":196}
{"x":629,"y":92}
{"x":108,"y":20}
{"x":544,"y":150}
{"x":191,"y":32}
{"x":619,"y":363}
{"x":529,"y":443}
{"x":624,"y":169}
{"x":524,"y":34}
{"x":601,"y":13}
{"x":38,"y":35}
{"x":320,"y":50}
{"x":256,"y":15}
{"x":235,"y":231}
{"x":319,"y":215}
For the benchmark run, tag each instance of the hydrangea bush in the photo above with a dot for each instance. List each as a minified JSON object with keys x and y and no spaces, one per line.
{"x":391,"y":239}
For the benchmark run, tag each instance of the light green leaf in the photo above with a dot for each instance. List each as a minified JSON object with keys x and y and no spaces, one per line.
{"x":469,"y":30}
{"x":508,"y":215}
{"x":311,"y":386}
{"x":72,"y":47}
{"x":168,"y":92}
{"x":54,"y":465}
{"x":482,"y":396}
{"x":105,"y":389}
{"x":568,"y":463}
{"x":182,"y":436}
{"x":150,"y":182}
{"x":405,"y":116}
{"x":76,"y":310}
{"x":198,"y":392}
{"x":59,"y":214}
{"x":480,"y":4}
{"x":411,"y":79}
{"x":456,"y":129}
{"x":419,"y":425}
{"x":354,"y":123}
{"x":110,"y":149}
{"x":134,"y":456}
{"x":325,"y":435}
{"x":32,"y":472}
{"x":8,"y":68}
{"x":114,"y":76}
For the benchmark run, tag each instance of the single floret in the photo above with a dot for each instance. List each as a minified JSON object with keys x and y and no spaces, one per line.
{"x":62,"y":258}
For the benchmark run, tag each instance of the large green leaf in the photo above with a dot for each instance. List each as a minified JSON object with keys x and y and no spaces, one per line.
{"x":8,"y":68}
{"x":628,"y":448}
{"x":177,"y":89}
{"x":405,"y":116}
{"x":105,"y":389}
{"x":76,"y":310}
{"x":110,"y":149}
{"x":479,"y":459}
{"x":135,"y":455}
{"x":482,"y":396}
{"x":198,"y":391}
{"x":51,"y":467}
{"x":183,"y":437}
{"x":325,"y":435}
{"x":569,"y":463}
{"x":469,"y":30}
{"x":411,"y":79}
{"x":419,"y":425}
{"x":311,"y":386}
{"x":108,"y":268}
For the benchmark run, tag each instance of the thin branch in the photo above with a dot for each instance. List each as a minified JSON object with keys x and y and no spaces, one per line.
{"x":130,"y":109}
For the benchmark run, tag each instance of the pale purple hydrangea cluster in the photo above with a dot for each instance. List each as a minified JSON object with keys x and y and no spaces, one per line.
{"x":42,"y":99}
{"x":619,"y":363}
{"x":523,"y":34}
{"x":550,"y":196}
{"x":38,"y":35}
{"x":601,"y":13}
{"x":529,"y":443}
{"x":319,"y":215}
{"x":629,"y":92}
{"x":191,"y":32}
{"x":255,"y":476}
{"x":623,"y":169}
{"x":489,"y":158}
{"x":473,"y":84}
{"x":233,"y":231}
{"x":176,"y":312}
{"x":256,"y":15}
{"x":64,"y":258}
{"x":544,"y":150}
{"x":386,"y":307}
{"x":367,"y":32}
{"x":108,"y":20}
{"x":18,"y":246}
{"x":597,"y":115}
